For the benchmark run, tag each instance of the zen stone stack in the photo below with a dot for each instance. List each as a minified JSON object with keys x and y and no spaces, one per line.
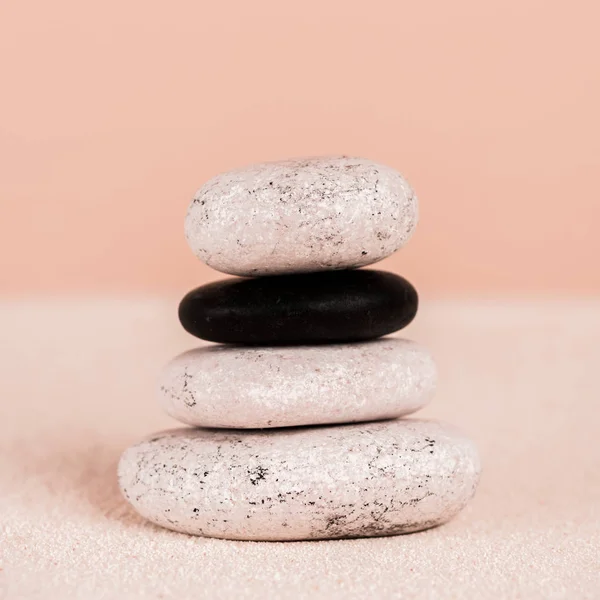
{"x":300,"y":345}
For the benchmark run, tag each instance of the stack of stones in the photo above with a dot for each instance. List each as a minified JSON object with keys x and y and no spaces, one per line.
{"x":295,"y":430}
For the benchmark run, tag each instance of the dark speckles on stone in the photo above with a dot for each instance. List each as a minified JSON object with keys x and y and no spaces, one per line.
{"x":257,"y":475}
{"x":335,"y":521}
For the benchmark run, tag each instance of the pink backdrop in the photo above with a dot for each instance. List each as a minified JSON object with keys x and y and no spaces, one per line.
{"x":113,"y":113}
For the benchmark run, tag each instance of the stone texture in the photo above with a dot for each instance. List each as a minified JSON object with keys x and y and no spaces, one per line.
{"x":360,"y":480}
{"x":337,"y":306}
{"x":301,"y":215}
{"x":256,"y":387}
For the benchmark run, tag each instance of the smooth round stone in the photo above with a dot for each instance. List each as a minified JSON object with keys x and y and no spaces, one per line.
{"x":339,"y":306}
{"x":301,"y":215}
{"x":362,"y":480}
{"x":256,"y":387}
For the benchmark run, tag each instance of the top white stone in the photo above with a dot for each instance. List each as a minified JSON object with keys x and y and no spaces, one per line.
{"x":301,"y":215}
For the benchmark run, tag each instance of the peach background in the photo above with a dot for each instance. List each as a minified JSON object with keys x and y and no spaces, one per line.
{"x":112,"y":114}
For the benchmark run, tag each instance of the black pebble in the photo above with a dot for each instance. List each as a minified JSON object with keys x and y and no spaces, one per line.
{"x":332,"y":306}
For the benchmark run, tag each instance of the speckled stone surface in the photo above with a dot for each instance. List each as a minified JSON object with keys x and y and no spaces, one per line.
{"x":369,"y":479}
{"x":255,"y":387}
{"x":338,"y":306}
{"x":301,"y":215}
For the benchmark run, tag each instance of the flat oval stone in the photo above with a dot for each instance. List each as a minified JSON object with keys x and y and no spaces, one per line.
{"x":301,"y":215}
{"x":370,"y":479}
{"x":256,"y":387}
{"x":338,"y":306}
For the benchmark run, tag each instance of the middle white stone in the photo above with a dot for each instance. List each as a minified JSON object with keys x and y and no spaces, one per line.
{"x":258,"y":387}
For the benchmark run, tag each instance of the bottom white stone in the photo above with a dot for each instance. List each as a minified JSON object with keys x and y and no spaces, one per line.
{"x":368,"y":479}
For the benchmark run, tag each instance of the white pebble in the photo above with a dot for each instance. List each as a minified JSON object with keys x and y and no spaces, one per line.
{"x":255,"y":387}
{"x":361,"y":480}
{"x":301,"y":215}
